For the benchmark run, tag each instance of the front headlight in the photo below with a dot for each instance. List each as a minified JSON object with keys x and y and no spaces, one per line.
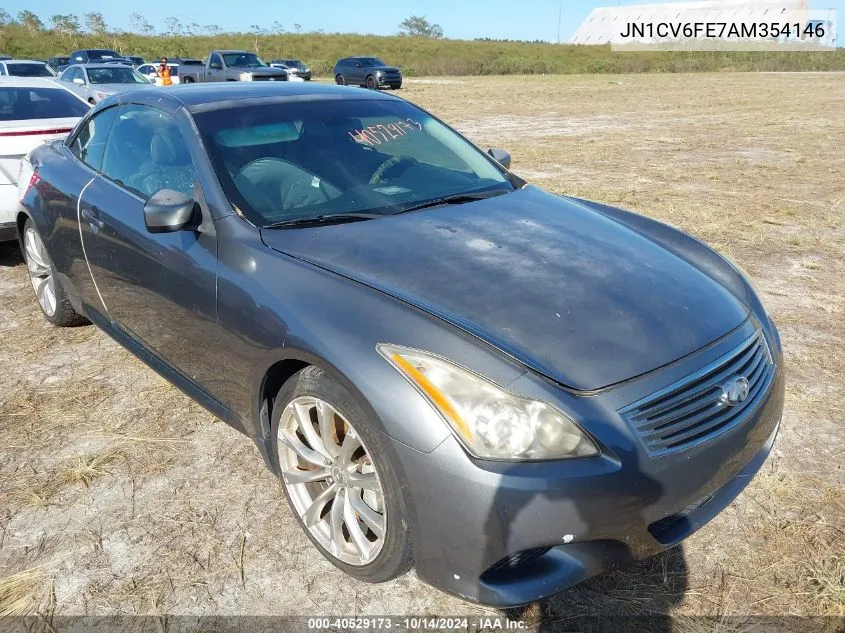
{"x":490,"y":422}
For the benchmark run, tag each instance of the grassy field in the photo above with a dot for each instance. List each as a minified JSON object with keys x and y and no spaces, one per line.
{"x":118,"y":495}
{"x":422,"y":56}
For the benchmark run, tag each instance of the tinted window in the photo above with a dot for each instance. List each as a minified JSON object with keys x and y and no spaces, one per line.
{"x":89,"y":144}
{"x":301,"y":160}
{"x":146,"y":152}
{"x":29,"y":70}
{"x":243,"y":60}
{"x":39,"y":103}
{"x":215,"y":59}
{"x":115,"y":75}
{"x":101,"y":54}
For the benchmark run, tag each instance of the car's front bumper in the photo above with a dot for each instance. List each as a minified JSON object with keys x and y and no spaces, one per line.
{"x":391,"y":81}
{"x":594,"y":514}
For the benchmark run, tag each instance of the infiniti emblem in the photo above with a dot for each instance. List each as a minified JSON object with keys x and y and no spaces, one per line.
{"x":735,"y":391}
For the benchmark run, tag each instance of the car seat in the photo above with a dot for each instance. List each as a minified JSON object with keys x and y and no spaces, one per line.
{"x":169,"y":166}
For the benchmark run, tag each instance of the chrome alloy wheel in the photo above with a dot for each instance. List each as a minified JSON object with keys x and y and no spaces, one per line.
{"x":331,"y":480}
{"x":40,"y":271}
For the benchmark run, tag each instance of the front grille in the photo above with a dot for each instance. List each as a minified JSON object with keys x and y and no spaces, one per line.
{"x":694,"y":409}
{"x":267,"y":78}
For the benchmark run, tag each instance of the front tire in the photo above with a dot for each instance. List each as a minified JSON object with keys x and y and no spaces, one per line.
{"x":338,"y":478}
{"x":372,"y":84}
{"x":49,"y":294}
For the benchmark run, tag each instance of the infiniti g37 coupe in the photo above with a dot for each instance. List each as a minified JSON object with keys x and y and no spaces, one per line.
{"x":445,"y":366}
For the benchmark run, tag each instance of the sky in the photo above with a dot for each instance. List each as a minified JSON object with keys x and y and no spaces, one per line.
{"x":460,"y":19}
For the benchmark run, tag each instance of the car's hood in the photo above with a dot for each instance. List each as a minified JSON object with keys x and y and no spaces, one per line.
{"x":577,"y":296}
{"x":263,"y":70}
{"x":385,"y":69}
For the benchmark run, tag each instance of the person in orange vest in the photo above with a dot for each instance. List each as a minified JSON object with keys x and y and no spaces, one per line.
{"x":164,"y":72}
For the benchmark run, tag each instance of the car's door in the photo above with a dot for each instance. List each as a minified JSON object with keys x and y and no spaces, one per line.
{"x":159,"y":288}
{"x":356,"y":70}
{"x":84,"y":152}
{"x":68,"y":82}
{"x":215,"y":70}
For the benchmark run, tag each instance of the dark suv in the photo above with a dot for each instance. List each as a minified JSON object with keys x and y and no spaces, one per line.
{"x":366,"y":71}
{"x":97,"y":55}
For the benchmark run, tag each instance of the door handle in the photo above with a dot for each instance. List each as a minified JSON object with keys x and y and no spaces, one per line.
{"x":92,"y":219}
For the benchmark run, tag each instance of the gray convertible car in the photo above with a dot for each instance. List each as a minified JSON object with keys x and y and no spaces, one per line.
{"x":445,"y":366}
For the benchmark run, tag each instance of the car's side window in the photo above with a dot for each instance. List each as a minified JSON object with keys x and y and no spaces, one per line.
{"x":89,"y":144}
{"x":2,"y":70}
{"x":215,"y":60}
{"x":146,"y":152}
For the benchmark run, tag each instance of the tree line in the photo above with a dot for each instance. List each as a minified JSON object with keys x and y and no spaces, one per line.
{"x":419,"y":48}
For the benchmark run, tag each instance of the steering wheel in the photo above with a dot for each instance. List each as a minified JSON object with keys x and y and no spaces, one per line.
{"x":389,"y":164}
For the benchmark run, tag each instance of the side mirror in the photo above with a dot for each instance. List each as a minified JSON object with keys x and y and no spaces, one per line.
{"x":501,"y":156}
{"x":358,"y":65}
{"x":79,"y":81}
{"x":167,"y":211}
{"x":216,"y":67}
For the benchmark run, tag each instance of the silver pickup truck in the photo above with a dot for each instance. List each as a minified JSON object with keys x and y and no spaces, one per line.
{"x":230,"y":66}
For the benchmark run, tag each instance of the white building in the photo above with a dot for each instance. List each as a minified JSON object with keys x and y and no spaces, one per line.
{"x":606,"y":24}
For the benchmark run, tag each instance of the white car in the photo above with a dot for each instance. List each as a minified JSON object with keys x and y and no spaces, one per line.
{"x":25,"y":68}
{"x":150,"y":71}
{"x":32,"y":110}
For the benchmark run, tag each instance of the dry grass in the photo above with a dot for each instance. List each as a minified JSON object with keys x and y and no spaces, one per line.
{"x":21,"y":593}
{"x":156,"y":507}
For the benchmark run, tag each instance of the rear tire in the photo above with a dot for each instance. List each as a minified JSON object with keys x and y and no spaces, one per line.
{"x":187,"y":80}
{"x":340,"y":80}
{"x":49,"y":294}
{"x":302,"y":400}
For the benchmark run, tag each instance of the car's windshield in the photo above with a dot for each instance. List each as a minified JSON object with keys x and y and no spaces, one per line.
{"x":304,"y":160}
{"x":116,"y":75}
{"x":243,"y":60}
{"x":102,"y":54}
{"x":39,"y":103}
{"x":372,"y":61}
{"x":29,"y":70}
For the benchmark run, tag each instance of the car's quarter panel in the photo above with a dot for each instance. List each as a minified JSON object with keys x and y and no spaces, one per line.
{"x":272,"y":307}
{"x":579,"y":297}
{"x":52,"y":204}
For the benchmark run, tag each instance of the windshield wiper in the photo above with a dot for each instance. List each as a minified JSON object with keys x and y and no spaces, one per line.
{"x":459,"y":198}
{"x":336,"y":218}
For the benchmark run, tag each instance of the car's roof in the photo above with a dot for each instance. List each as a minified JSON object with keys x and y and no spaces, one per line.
{"x":230,"y":50}
{"x":21,"y":61}
{"x":29,"y":82}
{"x":211,"y":96}
{"x":100,"y":65}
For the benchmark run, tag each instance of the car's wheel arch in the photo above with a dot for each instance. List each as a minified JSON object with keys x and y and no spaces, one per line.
{"x":282,"y":367}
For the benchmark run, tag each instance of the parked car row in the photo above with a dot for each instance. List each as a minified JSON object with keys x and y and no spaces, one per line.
{"x":445,"y":366}
{"x":239,"y":65}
